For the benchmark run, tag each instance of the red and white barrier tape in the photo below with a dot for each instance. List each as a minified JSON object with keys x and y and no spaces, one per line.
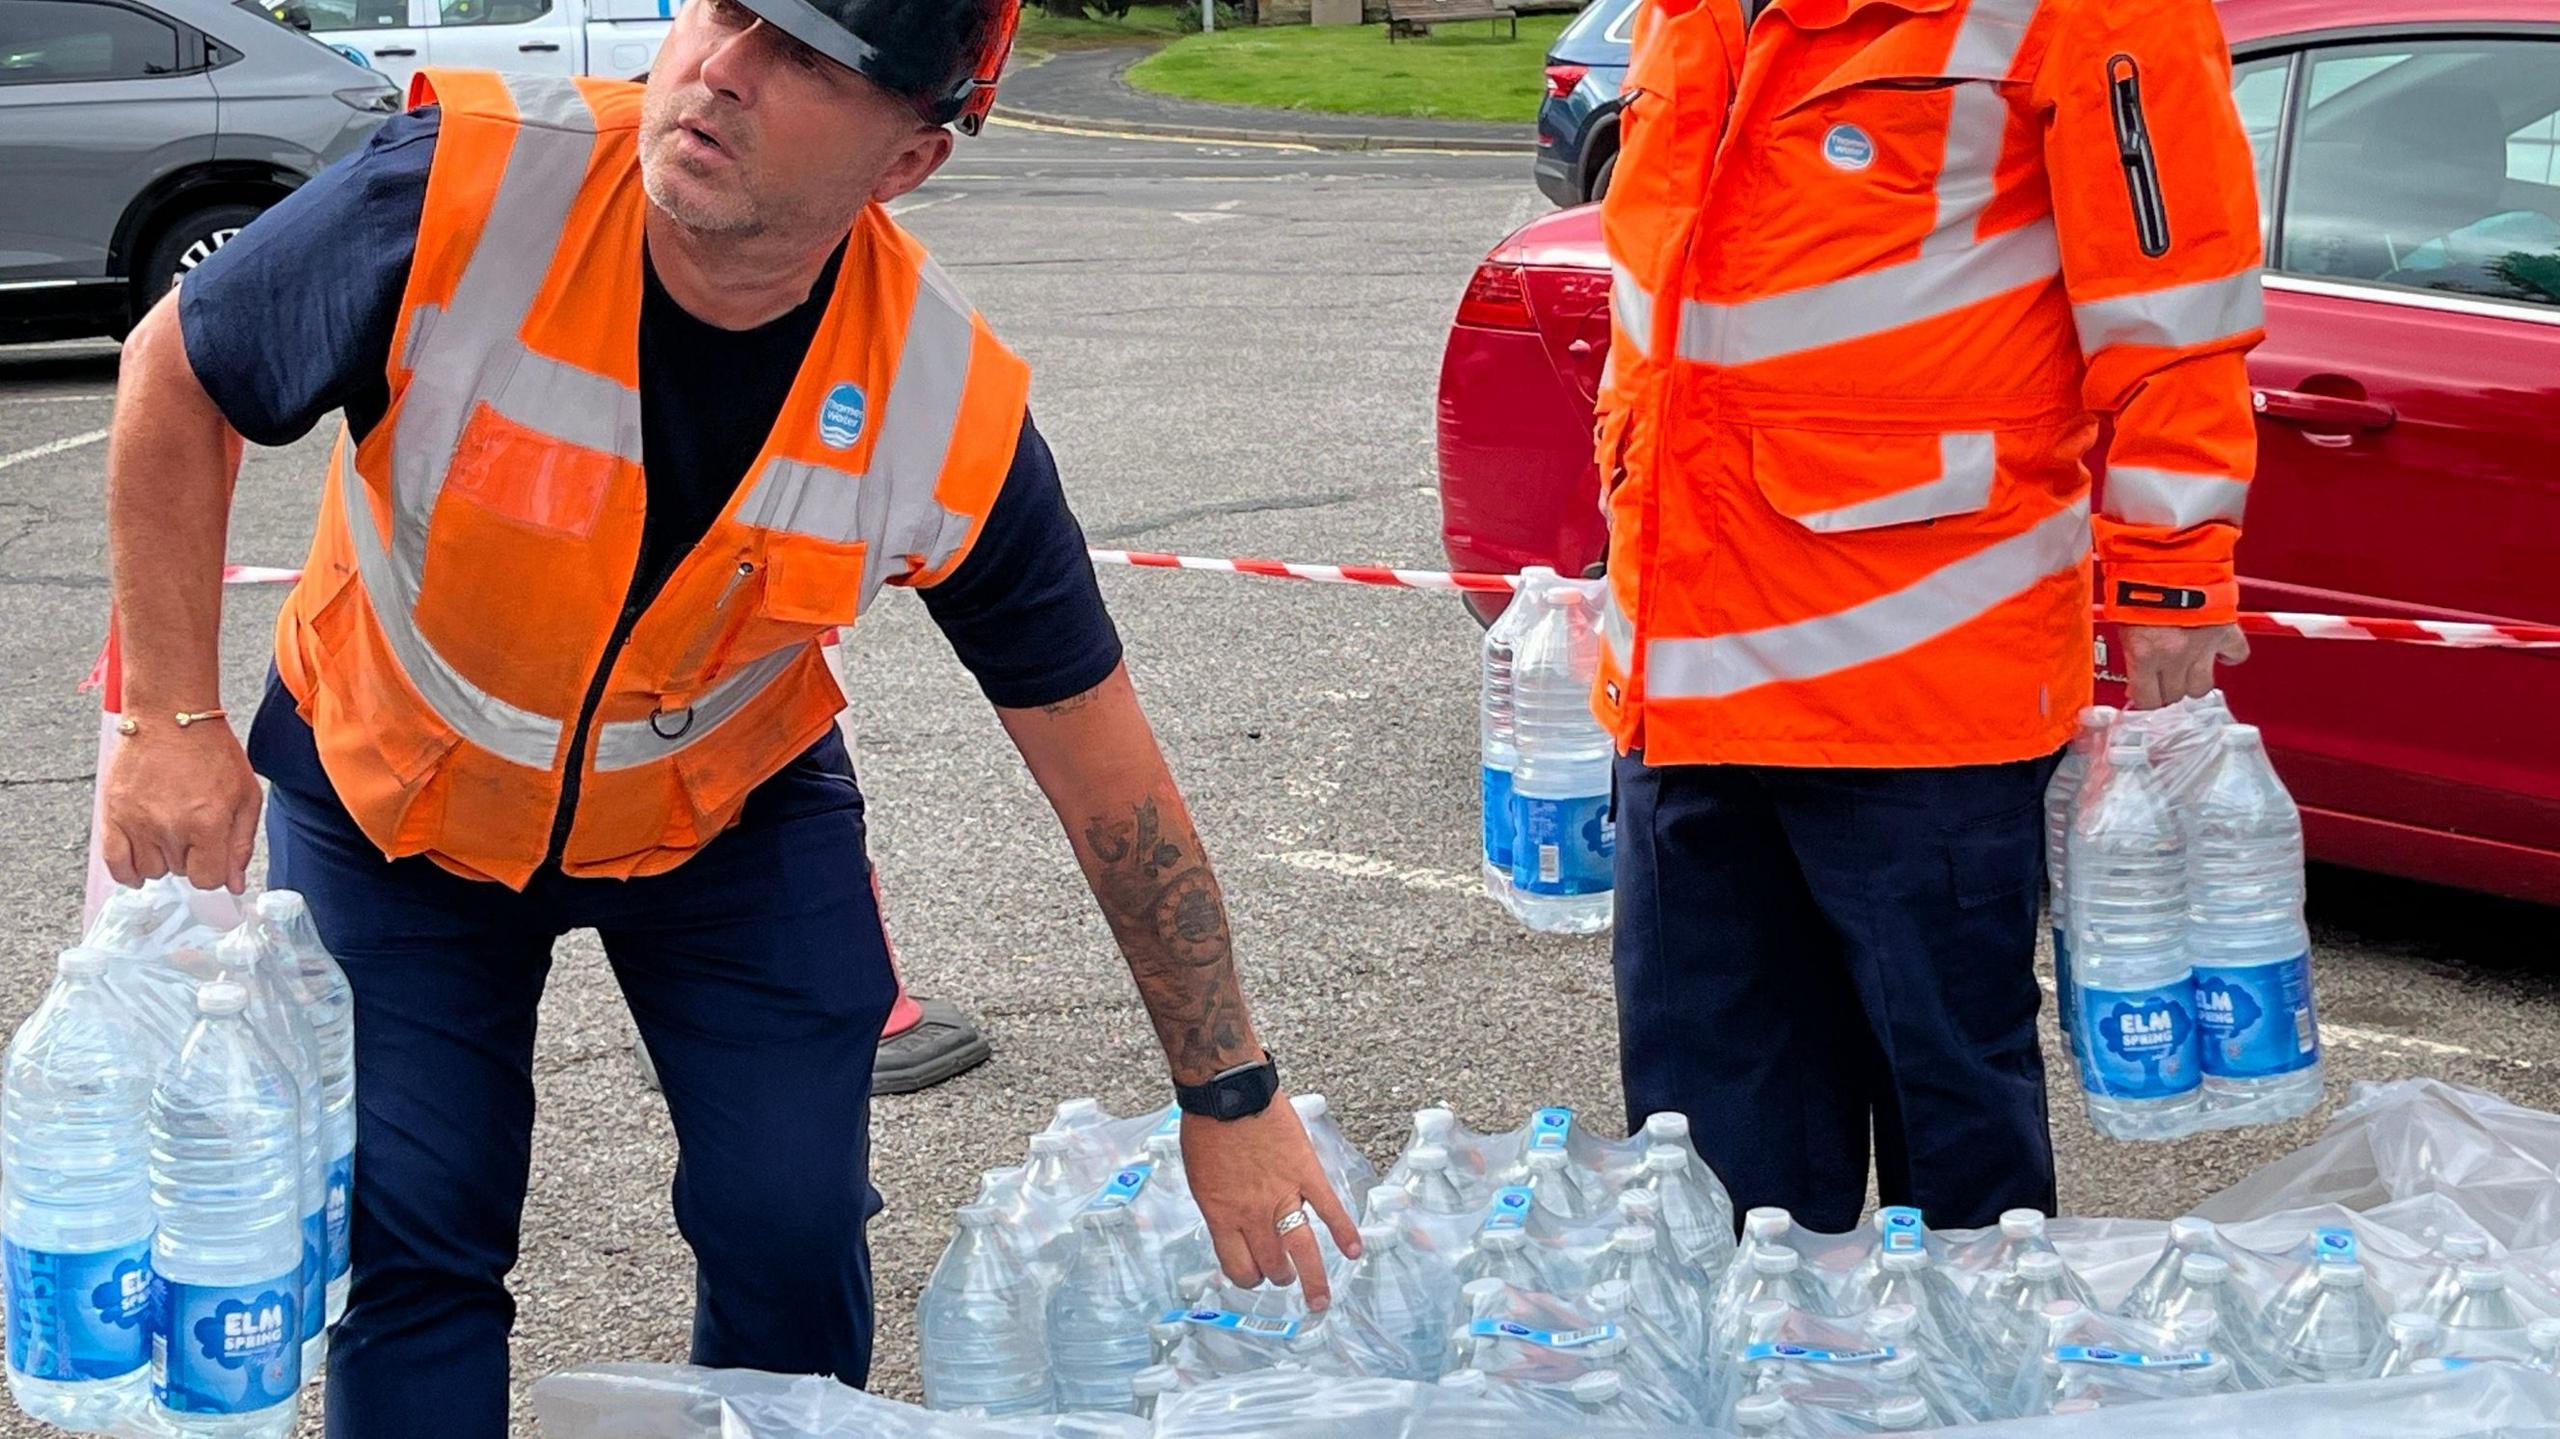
{"x":2453,"y":634}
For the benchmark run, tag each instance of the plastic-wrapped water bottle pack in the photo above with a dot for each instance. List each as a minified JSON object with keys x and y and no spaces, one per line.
{"x":177,"y":1135}
{"x":1594,"y":1283}
{"x":2182,"y":964}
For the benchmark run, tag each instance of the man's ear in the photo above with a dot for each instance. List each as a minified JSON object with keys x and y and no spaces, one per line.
{"x":913,"y":165}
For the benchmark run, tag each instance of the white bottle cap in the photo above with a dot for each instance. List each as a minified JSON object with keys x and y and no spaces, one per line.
{"x":1547,"y":1159}
{"x":1155,"y":1379}
{"x":2543,"y":1334}
{"x":1665,"y":1159}
{"x":1761,"y":1411}
{"x":1904,"y":1414}
{"x":1775,"y":1261}
{"x":1429,"y":1156}
{"x":1761,"y":1315}
{"x":1892,"y":1321}
{"x":2478,"y":1277}
{"x":1666,"y":1126}
{"x":2350,"y":1275}
{"x":2021,"y":1223}
{"x":1165,"y":1148}
{"x":1386,"y":1199}
{"x":2206,"y":1269}
{"x":1598,"y":1387}
{"x":1435,"y":1122}
{"x":1768,"y":1222}
{"x":79,"y":962}
{"x":1500,"y":1239}
{"x":2417,"y":1323}
{"x":2060,"y":1309}
{"x":2040,"y":1264}
{"x":282,"y":905}
{"x":1641,"y":1205}
{"x":1612,"y":1295}
{"x":1082,"y":1110}
{"x":1375,"y":1238}
{"x":1903,"y":1261}
{"x":2190,"y":1232}
{"x":1310,"y":1107}
{"x":221,"y":996}
{"x":1050,"y":1142}
{"x":1636,"y":1237}
{"x":2466,"y":1244}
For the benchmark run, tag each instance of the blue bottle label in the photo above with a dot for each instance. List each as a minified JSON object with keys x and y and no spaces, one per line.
{"x":2257,"y":1018}
{"x":1509,"y":1208}
{"x":228,"y":1349}
{"x":79,"y":1316}
{"x":342,"y":1189}
{"x":315,"y":1269}
{"x":2128,"y":1359}
{"x":1899,"y":1230}
{"x":2139,"y":1043}
{"x":1543,"y":1338}
{"x":1562,"y":846}
{"x":1121,"y":1188}
{"x":1805,"y":1355}
{"x":1550,"y":1128}
{"x":2066,"y":1009}
{"x":1259,"y":1326}
{"x":1497,"y":817}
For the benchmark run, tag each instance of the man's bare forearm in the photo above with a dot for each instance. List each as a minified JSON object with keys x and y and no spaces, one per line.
{"x":1097,"y":760}
{"x":170,"y":462}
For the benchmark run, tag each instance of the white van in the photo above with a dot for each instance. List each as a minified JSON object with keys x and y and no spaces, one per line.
{"x":613,"y":38}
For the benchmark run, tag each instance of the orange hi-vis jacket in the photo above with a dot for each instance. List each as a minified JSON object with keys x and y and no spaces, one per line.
{"x":460,"y":640}
{"x":1876,"y":264}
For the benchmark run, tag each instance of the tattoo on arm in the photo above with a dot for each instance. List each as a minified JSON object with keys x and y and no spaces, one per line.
{"x":1156,"y":889}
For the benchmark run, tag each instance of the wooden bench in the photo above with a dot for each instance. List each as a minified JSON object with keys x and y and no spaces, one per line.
{"x":1416,"y":17}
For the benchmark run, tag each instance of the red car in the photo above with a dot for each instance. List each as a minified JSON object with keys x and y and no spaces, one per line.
{"x":2409,"y":420}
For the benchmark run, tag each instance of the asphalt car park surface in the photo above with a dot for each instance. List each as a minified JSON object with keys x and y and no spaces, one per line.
{"x":1234,"y":352}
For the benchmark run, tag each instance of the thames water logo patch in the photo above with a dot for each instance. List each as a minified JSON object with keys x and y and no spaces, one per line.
{"x":840,"y":418}
{"x":1848,"y":148}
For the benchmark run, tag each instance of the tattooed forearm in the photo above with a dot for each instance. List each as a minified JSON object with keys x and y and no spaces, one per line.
{"x":1150,"y":873}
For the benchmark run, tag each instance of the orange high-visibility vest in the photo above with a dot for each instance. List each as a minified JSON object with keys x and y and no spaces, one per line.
{"x":1877,"y":262}
{"x":453,"y":638}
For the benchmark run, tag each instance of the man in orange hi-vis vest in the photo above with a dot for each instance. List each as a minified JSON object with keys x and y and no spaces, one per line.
{"x":1879,"y":265}
{"x":644,"y":395}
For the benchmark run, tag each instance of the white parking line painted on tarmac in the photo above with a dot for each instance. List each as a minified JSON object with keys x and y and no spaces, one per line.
{"x":52,"y":447}
{"x":55,"y":399}
{"x":1360,"y":866}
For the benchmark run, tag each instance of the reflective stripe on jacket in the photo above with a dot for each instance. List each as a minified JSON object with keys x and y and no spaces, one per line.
{"x":1877,"y":265}
{"x":455,"y":623}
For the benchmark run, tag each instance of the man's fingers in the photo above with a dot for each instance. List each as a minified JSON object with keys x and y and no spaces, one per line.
{"x":2235,"y":646}
{"x":1270,"y":1255}
{"x":1234,"y":1258}
{"x":208,"y":867}
{"x":2200,"y":675}
{"x":2142,"y":685}
{"x":116,"y":853}
{"x":1308,"y":1260}
{"x":149,"y":860}
{"x":244,"y":844}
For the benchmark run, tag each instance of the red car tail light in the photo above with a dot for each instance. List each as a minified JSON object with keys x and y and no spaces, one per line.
{"x":1496,"y":299}
{"x":1562,"y":78}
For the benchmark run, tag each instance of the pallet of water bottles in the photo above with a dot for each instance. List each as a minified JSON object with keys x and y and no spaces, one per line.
{"x":2182,"y":965}
{"x":178,"y":1115}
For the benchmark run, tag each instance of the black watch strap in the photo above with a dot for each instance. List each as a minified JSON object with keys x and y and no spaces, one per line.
{"x":1238,"y":1093}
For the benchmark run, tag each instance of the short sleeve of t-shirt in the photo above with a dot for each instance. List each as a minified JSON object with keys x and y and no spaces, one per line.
{"x":1023,"y":610}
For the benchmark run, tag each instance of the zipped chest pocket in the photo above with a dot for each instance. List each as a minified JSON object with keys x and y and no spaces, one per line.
{"x":2133,"y":151}
{"x":793,"y":587}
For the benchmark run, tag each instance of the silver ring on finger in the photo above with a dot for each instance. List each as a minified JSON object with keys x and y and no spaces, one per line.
{"x":1293,"y":1221}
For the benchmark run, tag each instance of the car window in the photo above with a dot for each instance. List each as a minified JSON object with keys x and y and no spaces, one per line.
{"x":1610,"y":20}
{"x":50,"y":41}
{"x":2258,"y":89}
{"x":493,"y":12}
{"x":2428,"y":166}
{"x":333,"y":14}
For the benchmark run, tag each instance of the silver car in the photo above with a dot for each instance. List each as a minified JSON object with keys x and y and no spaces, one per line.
{"x":139,"y":135}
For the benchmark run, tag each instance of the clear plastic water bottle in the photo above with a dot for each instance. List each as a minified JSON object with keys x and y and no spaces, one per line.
{"x":1778,"y":1273}
{"x":980,"y":1326}
{"x":1429,"y":1183}
{"x":227,"y":1179}
{"x":2061,"y":797}
{"x":2335,"y":1336}
{"x":1656,"y":1289}
{"x":2187,"y":1235}
{"x":2454,"y":1250}
{"x":2137,"y":1046}
{"x":1563,"y":835}
{"x":255,"y":956}
{"x":1497,"y":750}
{"x":1504,"y":1254}
{"x":1349,"y":1169}
{"x":1099,"y":1313}
{"x":2245,"y":935}
{"x":2412,"y":1336}
{"x":1151,"y":1384}
{"x":75,"y":1203}
{"x":2482,"y":1306}
{"x":329,"y":1002}
{"x":1396,"y":1307}
{"x":1694,"y":1206}
{"x":1549,"y":1177}
{"x":2542,"y":1345}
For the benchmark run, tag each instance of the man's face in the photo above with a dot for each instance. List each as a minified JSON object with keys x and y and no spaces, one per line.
{"x":748,"y":132}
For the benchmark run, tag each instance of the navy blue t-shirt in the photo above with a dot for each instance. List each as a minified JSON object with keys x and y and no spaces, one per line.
{"x":294,"y":318}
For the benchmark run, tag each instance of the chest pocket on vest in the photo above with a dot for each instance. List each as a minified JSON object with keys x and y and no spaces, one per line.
{"x":529,"y":478}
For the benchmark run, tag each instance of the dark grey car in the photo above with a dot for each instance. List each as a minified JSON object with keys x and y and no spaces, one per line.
{"x":139,"y":135}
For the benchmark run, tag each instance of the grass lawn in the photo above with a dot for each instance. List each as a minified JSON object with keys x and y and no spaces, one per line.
{"x":1464,"y":71}
{"x":1142,"y":25}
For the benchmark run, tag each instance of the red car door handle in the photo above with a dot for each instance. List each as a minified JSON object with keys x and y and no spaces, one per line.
{"x":2325,"y":412}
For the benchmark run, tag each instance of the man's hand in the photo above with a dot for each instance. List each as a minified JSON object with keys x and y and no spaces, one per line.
{"x":1249,"y":1174}
{"x":2164,"y":664}
{"x":180,"y":801}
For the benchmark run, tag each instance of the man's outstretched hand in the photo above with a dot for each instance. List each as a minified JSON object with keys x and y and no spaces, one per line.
{"x":1249,"y":1174}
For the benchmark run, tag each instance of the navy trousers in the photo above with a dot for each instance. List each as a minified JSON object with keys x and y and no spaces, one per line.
{"x":1808,"y":957}
{"x":760,"y":979}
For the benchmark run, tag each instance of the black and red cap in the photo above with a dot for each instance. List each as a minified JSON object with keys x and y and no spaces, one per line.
{"x":942,"y":56}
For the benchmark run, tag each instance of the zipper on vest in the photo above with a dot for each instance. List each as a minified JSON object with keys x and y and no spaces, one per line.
{"x":567,"y":814}
{"x":701,"y":647}
{"x":2133,"y":152}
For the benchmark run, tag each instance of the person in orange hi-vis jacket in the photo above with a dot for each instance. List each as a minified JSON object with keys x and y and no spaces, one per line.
{"x":1879,"y":265}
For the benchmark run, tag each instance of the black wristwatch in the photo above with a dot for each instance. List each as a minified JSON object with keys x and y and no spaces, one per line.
{"x":1238,"y":1093}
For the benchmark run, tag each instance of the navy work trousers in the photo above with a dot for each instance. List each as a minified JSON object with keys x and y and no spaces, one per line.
{"x":1806,"y":957}
{"x":760,"y":979}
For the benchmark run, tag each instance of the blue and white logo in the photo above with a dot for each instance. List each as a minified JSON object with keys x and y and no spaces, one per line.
{"x":1848,"y":148}
{"x":840,"y":418}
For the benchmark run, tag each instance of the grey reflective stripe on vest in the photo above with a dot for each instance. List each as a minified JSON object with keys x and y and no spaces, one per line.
{"x":1966,"y":465}
{"x":1954,"y":268}
{"x":582,"y":407}
{"x":892,"y":507}
{"x":1616,"y":634}
{"x":514,"y":735}
{"x":1633,"y":306}
{"x":2176,"y":317}
{"x":2171,"y":499}
{"x":1943,"y":600}
{"x":625,"y":743}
